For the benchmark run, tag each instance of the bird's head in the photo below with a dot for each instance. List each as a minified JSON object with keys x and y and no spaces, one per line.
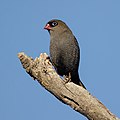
{"x":56,"y":26}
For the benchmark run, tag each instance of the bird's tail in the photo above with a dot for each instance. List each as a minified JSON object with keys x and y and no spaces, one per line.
{"x":81,"y":84}
{"x":75,"y":79}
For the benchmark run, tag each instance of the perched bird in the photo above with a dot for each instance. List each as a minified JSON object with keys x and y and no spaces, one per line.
{"x":64,"y":50}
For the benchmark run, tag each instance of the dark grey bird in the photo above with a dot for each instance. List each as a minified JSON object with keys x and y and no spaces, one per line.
{"x":64,"y":50}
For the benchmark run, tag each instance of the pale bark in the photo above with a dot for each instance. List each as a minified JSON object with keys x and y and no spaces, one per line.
{"x":71,"y":94}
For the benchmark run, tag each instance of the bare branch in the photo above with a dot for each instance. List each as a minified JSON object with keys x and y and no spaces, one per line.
{"x":71,"y":94}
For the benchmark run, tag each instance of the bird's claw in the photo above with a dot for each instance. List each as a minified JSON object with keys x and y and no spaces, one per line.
{"x":67,"y":78}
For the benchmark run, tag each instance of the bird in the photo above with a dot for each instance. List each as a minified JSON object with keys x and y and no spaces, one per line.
{"x":64,"y":51}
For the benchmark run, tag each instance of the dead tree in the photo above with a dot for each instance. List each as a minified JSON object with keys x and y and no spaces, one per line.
{"x":71,"y":94}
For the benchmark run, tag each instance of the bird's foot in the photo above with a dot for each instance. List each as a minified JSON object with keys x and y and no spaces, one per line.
{"x":67,"y":78}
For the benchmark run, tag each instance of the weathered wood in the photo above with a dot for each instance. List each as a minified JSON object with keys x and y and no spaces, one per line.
{"x":71,"y":94}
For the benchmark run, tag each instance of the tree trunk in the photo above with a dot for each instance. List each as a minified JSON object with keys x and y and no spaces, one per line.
{"x":69,"y":93}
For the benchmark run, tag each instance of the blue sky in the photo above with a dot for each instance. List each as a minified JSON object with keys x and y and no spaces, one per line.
{"x":96,"y":25}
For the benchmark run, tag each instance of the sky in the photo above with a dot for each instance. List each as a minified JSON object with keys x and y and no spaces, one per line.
{"x":96,"y":25}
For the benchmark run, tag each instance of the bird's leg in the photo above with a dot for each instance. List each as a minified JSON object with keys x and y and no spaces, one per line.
{"x":67,"y":78}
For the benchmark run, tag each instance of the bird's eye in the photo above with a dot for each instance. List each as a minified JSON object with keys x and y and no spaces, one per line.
{"x":54,"y":24}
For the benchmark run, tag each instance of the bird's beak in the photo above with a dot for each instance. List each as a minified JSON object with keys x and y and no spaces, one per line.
{"x":47,"y":27}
